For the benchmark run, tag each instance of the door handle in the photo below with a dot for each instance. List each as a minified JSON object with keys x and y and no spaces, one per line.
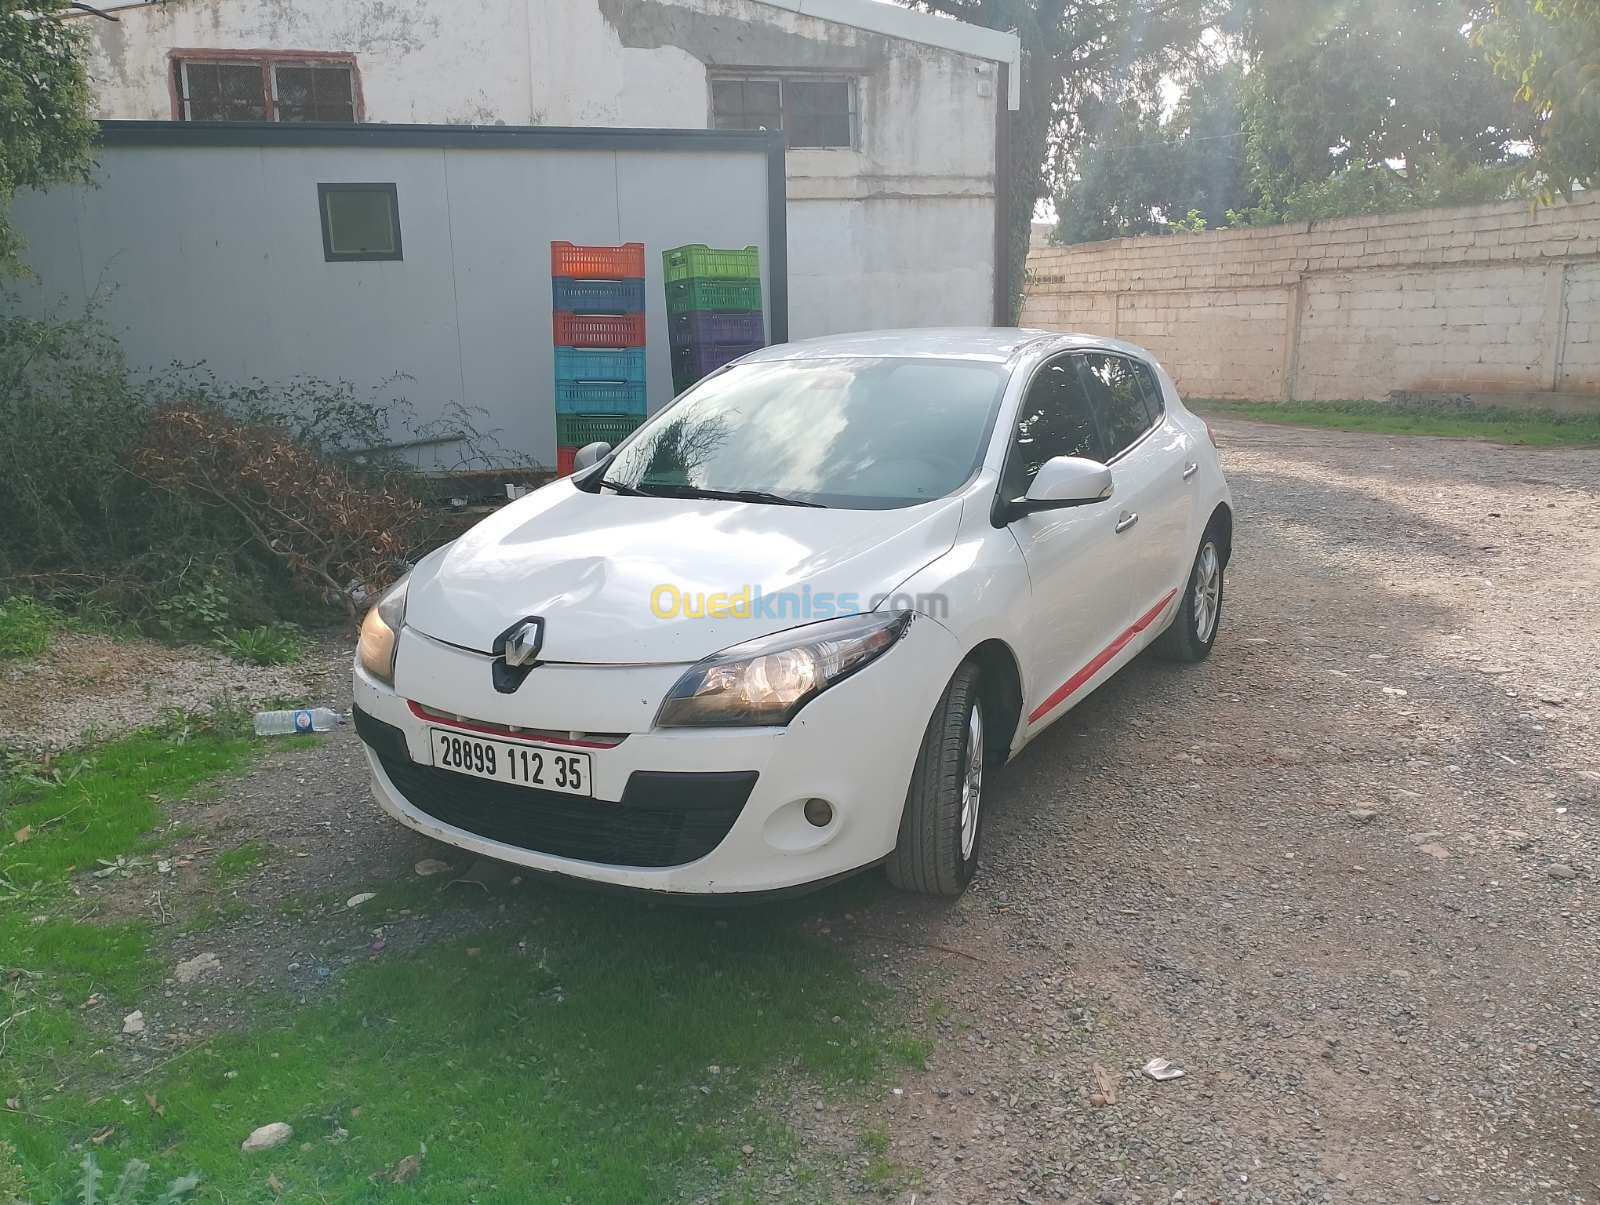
{"x":1129,"y":518}
{"x":1189,"y":470}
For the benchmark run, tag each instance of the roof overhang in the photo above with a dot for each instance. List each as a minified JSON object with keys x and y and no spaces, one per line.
{"x":895,"y":22}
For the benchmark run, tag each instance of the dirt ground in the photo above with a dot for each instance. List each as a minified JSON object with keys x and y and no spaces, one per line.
{"x":1343,"y":874}
{"x":90,"y":686}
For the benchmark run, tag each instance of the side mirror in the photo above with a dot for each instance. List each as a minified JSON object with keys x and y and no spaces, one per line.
{"x":590,"y":455}
{"x":1063,"y":482}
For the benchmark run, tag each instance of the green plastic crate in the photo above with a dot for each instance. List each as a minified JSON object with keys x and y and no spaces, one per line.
{"x":698,"y":261}
{"x":576,"y":430}
{"x":698,"y":293}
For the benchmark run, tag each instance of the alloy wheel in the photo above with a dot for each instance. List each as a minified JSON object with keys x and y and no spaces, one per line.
{"x":972,"y":782}
{"x":1207,"y":592}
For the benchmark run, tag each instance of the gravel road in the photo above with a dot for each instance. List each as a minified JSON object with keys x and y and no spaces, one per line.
{"x":1344,"y":873}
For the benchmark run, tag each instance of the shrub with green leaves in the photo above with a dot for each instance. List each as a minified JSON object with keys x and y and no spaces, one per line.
{"x":186,"y":505}
{"x":269,"y":644}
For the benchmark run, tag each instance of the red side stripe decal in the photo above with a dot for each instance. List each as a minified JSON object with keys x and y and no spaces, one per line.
{"x":1072,"y":684}
{"x":422,"y":713}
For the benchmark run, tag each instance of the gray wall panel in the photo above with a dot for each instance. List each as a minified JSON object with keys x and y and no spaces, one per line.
{"x":214,"y":254}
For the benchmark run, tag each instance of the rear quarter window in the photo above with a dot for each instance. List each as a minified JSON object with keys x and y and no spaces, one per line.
{"x":1150,"y":384}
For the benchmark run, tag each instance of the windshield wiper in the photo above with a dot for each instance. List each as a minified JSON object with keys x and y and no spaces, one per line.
{"x":662,"y":489}
{"x":764,"y":496}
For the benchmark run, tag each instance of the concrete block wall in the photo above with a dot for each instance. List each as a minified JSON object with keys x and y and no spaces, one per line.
{"x":1484,"y":299}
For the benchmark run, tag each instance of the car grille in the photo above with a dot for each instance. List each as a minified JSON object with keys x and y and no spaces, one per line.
{"x":663,"y":819}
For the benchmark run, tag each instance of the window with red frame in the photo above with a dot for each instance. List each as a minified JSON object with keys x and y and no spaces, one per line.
{"x":265,"y":88}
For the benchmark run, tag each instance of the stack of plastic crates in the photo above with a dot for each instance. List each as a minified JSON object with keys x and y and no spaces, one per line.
{"x":598,"y":303}
{"x":713,"y":308}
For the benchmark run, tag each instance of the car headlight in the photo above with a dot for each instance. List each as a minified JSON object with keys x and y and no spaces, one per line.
{"x":380,"y":632}
{"x":768,"y":680}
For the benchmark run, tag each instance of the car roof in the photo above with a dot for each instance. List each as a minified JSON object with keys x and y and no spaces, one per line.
{"x":991,"y":344}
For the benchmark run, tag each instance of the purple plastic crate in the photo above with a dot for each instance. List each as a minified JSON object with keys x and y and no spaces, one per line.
{"x":706,"y":327}
{"x":691,"y":363}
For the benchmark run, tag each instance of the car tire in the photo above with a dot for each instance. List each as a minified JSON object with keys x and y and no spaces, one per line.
{"x":937,"y":851}
{"x":1194,"y":629}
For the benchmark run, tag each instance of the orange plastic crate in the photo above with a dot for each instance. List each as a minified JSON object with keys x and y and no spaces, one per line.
{"x":564,"y":458}
{"x":599,"y":330}
{"x":597,"y":263}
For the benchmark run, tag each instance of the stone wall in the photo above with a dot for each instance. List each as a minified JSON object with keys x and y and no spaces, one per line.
{"x":1492,"y":299}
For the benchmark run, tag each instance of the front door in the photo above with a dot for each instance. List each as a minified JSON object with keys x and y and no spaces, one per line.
{"x":1079,"y":592}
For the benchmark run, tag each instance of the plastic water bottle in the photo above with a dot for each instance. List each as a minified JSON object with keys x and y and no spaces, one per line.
{"x":307,"y":719}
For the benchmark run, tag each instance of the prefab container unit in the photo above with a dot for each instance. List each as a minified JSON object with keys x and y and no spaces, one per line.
{"x":415,"y":261}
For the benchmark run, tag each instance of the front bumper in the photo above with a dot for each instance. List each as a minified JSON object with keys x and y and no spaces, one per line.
{"x":728,"y":801}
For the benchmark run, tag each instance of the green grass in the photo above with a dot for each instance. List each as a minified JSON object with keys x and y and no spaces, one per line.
{"x":564,"y":1055}
{"x":569,"y":1058}
{"x":73,"y":815}
{"x":1533,"y":429}
{"x":25,"y":628}
{"x":235,"y":864}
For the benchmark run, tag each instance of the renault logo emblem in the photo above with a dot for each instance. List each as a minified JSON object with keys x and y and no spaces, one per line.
{"x":522,"y":642}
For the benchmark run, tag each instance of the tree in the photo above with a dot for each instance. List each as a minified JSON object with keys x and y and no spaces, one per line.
{"x":1394,"y":90}
{"x":45,"y":129}
{"x":1549,"y":51}
{"x":1079,"y":58}
{"x":1149,"y":175}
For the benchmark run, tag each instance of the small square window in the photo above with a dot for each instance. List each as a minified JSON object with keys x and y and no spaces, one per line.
{"x":359,"y":221}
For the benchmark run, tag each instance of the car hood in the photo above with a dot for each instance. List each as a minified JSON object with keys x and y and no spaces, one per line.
{"x":589,"y":565}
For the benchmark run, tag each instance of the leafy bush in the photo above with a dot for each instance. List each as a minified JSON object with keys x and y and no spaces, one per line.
{"x":187,"y":505}
{"x":269,"y":644}
{"x":1364,"y":189}
{"x":331,"y":531}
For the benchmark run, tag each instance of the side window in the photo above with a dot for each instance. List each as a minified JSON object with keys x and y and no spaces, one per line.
{"x":1117,"y":399}
{"x":1055,"y":419}
{"x":1154,"y":403}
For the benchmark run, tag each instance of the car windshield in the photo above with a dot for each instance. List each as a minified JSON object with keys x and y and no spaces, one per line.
{"x":865,"y":433}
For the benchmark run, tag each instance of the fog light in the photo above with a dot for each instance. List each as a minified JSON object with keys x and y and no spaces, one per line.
{"x":819,"y":812}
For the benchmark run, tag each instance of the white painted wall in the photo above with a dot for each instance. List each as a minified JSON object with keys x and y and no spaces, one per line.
{"x":898,"y":232}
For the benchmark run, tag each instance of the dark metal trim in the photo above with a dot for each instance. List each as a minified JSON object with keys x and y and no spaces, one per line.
{"x":384,"y":134}
{"x":432,"y":137}
{"x":355,"y":257}
{"x":1002,"y":200}
{"x":778,"y":241}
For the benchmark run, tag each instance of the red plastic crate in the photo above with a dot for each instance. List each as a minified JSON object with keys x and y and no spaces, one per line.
{"x":599,"y":330}
{"x":597,"y":263}
{"x":564,"y":461}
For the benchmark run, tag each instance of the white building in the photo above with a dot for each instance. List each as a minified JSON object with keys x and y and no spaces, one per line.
{"x":894,"y":119}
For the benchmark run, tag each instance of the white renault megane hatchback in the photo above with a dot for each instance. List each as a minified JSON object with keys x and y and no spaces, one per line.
{"x":788,"y":627}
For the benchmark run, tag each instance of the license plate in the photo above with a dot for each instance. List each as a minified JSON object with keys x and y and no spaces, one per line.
{"x":514,"y":762}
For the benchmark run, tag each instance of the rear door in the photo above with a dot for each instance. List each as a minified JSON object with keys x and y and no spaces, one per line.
{"x":1150,"y":461}
{"x":1079,"y":589}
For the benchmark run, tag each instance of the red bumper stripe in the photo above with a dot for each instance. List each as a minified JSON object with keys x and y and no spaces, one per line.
{"x":422,"y":713}
{"x":1072,"y":684}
